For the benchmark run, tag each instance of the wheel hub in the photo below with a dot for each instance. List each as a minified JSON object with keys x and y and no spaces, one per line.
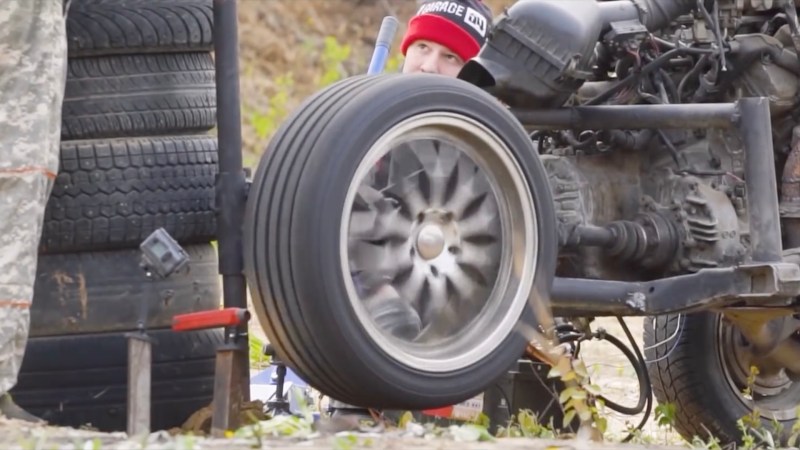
{"x":771,"y":390}
{"x":430,"y":241}
{"x":440,"y":219}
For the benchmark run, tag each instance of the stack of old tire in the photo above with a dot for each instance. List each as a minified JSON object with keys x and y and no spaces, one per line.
{"x":136,"y":155}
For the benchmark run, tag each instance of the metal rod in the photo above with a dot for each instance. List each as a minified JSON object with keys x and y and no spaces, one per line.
{"x":755,"y":128}
{"x":610,"y":117}
{"x":231,"y":180}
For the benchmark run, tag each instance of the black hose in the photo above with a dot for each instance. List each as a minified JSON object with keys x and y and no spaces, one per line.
{"x":688,"y":50}
{"x":630,"y":79}
{"x":692,"y":73}
{"x":643,"y":390}
{"x":641,"y":368}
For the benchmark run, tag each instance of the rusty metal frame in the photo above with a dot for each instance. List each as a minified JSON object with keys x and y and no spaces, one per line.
{"x":765,"y":279}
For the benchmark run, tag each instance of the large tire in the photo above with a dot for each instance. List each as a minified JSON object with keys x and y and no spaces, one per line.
{"x":95,"y":292}
{"x":101,"y":27}
{"x":75,"y":367}
{"x":82,"y":379}
{"x":139,"y":95}
{"x":113,"y":193}
{"x":691,"y":370}
{"x":292,"y":242}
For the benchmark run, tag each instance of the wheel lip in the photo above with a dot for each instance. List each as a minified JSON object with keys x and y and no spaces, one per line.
{"x":522,"y":264}
{"x":725,"y":356}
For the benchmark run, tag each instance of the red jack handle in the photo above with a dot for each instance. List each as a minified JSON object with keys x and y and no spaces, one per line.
{"x":227,"y":317}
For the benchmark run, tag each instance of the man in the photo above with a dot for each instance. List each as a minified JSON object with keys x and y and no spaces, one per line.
{"x":33,"y":56}
{"x":444,"y":35}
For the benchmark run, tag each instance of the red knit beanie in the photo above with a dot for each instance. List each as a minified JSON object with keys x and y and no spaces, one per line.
{"x":460,"y":25}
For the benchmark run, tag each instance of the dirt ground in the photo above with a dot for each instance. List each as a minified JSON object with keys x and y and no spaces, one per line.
{"x":611,"y":371}
{"x":15,"y":436}
{"x":608,"y":367}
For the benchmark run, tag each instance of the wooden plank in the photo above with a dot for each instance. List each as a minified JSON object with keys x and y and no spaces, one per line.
{"x":139,"y":385}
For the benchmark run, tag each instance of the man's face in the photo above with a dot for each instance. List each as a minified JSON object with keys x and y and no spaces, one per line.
{"x":429,"y":57}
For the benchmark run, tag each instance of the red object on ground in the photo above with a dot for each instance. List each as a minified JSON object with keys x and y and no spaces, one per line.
{"x":227,"y":317}
{"x":445,"y":411}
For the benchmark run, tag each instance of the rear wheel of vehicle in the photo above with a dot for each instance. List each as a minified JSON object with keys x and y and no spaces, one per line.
{"x":398,"y":232}
{"x":102,"y":27}
{"x":700,"y":363}
{"x":112,"y":193}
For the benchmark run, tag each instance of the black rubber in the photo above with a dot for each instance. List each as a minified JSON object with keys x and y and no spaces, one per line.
{"x":114,"y":193}
{"x":97,"y":27}
{"x":139,"y":95}
{"x":81,"y":380}
{"x":92,"y":292}
{"x":292,"y":239}
{"x":689,"y":374}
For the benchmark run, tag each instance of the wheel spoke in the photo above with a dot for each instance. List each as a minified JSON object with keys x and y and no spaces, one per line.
{"x":426,"y":236}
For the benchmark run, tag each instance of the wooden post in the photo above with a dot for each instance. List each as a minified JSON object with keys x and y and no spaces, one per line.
{"x":139,"y":384}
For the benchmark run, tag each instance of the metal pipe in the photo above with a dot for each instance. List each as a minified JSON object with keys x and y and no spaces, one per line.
{"x":755,"y":128}
{"x":609,"y":117}
{"x":594,"y":297}
{"x":683,"y":293}
{"x":231,"y":181}
{"x":587,"y":236}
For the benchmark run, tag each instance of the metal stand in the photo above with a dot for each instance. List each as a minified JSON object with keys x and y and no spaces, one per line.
{"x":140,"y":367}
{"x":278,"y":406}
{"x":232,"y":383}
{"x":231,"y":184}
{"x":162,"y":257}
{"x":228,"y":394}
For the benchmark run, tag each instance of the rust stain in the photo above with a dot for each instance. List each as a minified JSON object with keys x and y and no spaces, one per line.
{"x":62,"y":280}
{"x":83,"y":296}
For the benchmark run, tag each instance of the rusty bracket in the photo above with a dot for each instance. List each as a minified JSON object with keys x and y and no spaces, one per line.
{"x":228,"y":390}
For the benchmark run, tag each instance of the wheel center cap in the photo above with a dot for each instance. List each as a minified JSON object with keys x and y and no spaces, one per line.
{"x":430,"y":241}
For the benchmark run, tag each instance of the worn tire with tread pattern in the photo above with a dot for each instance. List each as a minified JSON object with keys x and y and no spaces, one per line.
{"x":74,"y":371}
{"x":102,"y":27}
{"x":139,"y":95}
{"x":292,"y":231}
{"x":81,"y":379}
{"x":689,"y":374}
{"x":112,"y":193}
{"x":78,"y":293}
